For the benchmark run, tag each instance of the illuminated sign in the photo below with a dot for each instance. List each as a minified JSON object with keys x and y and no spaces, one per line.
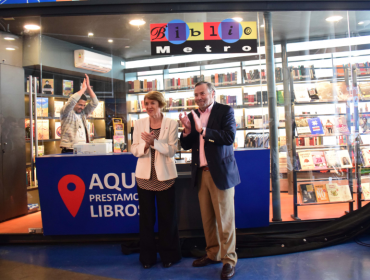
{"x":179,"y":37}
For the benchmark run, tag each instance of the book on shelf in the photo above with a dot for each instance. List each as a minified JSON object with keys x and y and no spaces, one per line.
{"x":333,"y":192}
{"x":302,"y":125}
{"x":119,"y":144}
{"x":328,"y":124}
{"x":43,"y":129}
{"x":309,"y":141}
{"x":40,"y":151}
{"x":142,"y":86}
{"x":340,"y":70}
{"x":230,"y":78}
{"x":345,"y":192}
{"x":253,"y":76}
{"x":42,"y":107}
{"x":278,"y":74}
{"x":48,"y":86}
{"x":366,"y":157}
{"x":366,"y":190}
{"x":364,"y":90}
{"x":332,"y":159}
{"x":303,"y":73}
{"x":280,"y":97}
{"x":307,"y":193}
{"x":258,"y":121}
{"x":318,"y":159}
{"x":301,"y":93}
{"x":364,"y":123}
{"x":282,"y":141}
{"x":133,"y":105}
{"x":312,"y":93}
{"x":340,"y":125}
{"x":315,"y":126}
{"x":58,"y":105}
{"x":99,"y":111}
{"x":58,"y":130}
{"x":227,"y":99}
{"x":249,"y":122}
{"x":67,"y":87}
{"x":305,"y":159}
{"x":341,"y":90}
{"x":321,"y":193}
{"x":344,"y":159}
{"x":184,"y":83}
{"x":239,"y":121}
{"x":325,"y":91}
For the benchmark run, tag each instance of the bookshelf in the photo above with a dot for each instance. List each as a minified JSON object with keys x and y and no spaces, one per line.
{"x":173,"y":82}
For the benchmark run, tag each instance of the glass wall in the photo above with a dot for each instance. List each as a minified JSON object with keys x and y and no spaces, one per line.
{"x":321,"y":97}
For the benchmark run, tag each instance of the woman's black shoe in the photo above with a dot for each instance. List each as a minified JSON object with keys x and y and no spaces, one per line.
{"x":167,"y":264}
{"x":146,"y":266}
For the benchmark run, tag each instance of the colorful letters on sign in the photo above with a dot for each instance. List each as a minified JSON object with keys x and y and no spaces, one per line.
{"x":179,"y":37}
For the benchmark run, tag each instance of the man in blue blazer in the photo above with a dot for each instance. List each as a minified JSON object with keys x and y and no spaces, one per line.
{"x":210,"y":133}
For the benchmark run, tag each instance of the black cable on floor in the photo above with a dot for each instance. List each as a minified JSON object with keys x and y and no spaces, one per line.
{"x":359,"y":242}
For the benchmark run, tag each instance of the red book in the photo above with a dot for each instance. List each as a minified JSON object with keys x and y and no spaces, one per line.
{"x":312,"y":141}
{"x":178,"y":83}
{"x":130,"y":86}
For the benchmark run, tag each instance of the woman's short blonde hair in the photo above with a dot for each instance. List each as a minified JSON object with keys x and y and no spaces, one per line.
{"x":156,"y":95}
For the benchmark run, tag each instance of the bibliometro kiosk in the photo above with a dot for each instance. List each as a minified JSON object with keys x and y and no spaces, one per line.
{"x":300,"y":94}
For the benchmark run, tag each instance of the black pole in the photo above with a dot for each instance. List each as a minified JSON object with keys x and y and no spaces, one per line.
{"x":273,"y":123}
{"x":294,"y":151}
{"x":357,"y":134}
{"x":288,"y":116}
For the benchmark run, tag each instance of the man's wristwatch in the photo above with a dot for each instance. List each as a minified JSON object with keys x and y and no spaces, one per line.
{"x":201,"y":131}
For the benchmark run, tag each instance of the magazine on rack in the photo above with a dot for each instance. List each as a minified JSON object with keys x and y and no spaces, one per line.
{"x":321,"y":193}
{"x":307,"y":193}
{"x":333,"y":192}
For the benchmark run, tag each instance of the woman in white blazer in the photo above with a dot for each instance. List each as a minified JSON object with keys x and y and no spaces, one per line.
{"x":155,"y":144}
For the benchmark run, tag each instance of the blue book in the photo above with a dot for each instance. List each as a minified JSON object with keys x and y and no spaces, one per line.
{"x":315,"y":126}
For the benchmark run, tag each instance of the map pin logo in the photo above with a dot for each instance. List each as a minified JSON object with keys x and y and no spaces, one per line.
{"x":72,"y":199}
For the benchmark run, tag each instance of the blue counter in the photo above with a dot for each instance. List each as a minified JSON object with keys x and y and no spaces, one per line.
{"x":96,"y":194}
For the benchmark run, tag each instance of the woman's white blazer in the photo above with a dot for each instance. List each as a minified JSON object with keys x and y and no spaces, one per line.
{"x":165,"y":149}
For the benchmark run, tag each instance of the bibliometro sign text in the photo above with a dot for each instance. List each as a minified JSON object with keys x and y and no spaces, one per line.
{"x":179,"y":37}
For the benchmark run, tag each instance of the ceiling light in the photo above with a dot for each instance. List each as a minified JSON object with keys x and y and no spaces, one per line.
{"x":238,"y":19}
{"x":334,"y":18}
{"x":361,"y":23}
{"x":262,"y":25}
{"x":32,"y":27}
{"x":127,"y":47}
{"x":90,"y":34}
{"x":9,"y":38}
{"x":137,"y":22}
{"x":110,"y":41}
{"x":10,"y":49}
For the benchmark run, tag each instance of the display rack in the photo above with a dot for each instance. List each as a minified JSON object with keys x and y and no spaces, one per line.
{"x":349,"y":178}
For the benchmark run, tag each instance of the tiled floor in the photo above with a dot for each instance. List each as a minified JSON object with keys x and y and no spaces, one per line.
{"x":105,"y":261}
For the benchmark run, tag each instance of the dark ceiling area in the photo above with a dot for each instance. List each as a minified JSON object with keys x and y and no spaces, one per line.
{"x":132,"y":42}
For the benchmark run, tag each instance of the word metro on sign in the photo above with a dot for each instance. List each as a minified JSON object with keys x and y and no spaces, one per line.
{"x":179,"y":37}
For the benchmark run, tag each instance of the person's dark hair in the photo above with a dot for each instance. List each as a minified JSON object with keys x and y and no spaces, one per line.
{"x":83,"y":97}
{"x":210,"y":86}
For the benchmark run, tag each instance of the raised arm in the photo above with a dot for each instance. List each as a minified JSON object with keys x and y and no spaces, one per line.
{"x":94,"y":100}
